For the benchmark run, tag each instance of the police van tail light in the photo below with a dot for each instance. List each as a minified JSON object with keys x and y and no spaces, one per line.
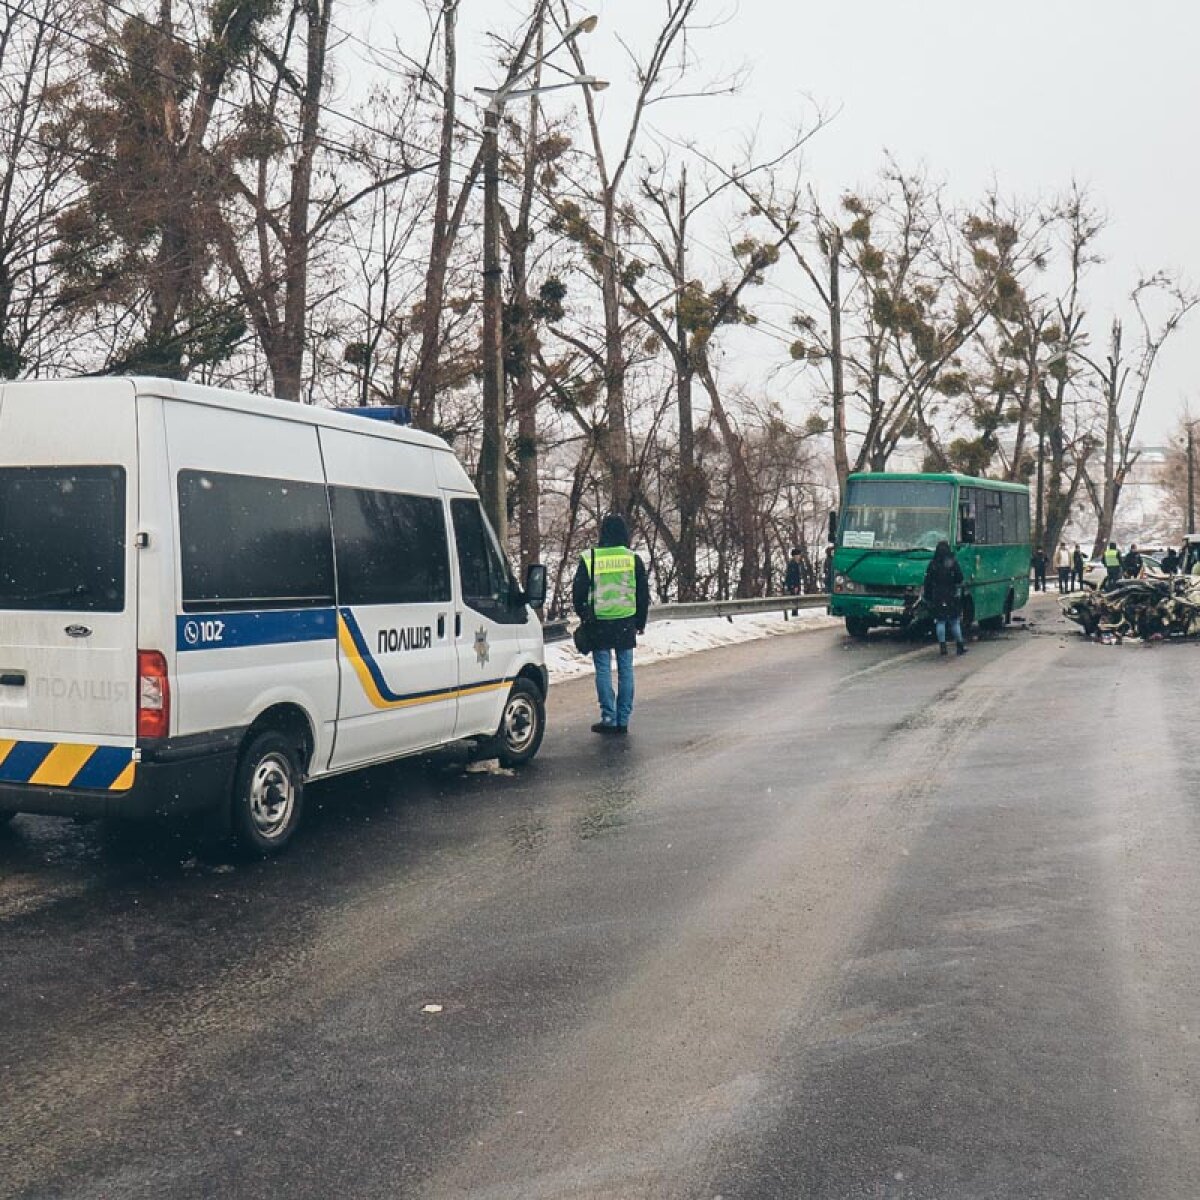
{"x":154,"y":695}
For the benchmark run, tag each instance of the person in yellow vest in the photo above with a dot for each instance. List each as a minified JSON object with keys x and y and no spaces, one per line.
{"x":611,"y":594}
{"x":1112,"y":565}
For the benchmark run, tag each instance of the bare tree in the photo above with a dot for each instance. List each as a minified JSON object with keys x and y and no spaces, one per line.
{"x":1124,"y":377}
{"x":37,"y":185}
{"x":657,"y":76}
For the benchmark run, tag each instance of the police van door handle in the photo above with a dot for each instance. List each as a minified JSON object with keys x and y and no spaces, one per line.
{"x":458,"y":624}
{"x":12,"y":679}
{"x":441,"y":625}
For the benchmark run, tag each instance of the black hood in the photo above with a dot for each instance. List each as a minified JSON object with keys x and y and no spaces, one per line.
{"x":614,"y":531}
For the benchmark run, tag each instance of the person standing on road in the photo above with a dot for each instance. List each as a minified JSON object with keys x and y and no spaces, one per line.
{"x":1062,"y":562}
{"x":1079,"y":563}
{"x":611,"y":594}
{"x":1039,"y":569}
{"x":942,"y":593}
{"x":1170,"y":562}
{"x":792,"y":583}
{"x":1112,"y":565}
{"x":1132,"y":562}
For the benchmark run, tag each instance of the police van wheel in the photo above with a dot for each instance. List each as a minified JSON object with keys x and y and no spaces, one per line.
{"x":268,"y":795}
{"x":522,"y":725}
{"x":5,"y":817}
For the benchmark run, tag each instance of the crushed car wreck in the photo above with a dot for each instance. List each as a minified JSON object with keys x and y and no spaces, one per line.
{"x":1149,"y":608}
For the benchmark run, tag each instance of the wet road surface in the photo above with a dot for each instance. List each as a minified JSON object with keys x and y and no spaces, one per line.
{"x":838,"y":920}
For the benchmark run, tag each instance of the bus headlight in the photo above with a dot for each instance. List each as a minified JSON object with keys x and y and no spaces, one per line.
{"x":844,"y":585}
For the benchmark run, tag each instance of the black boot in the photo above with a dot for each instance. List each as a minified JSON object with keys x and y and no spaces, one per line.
{"x":942,"y":649}
{"x":961,"y":648}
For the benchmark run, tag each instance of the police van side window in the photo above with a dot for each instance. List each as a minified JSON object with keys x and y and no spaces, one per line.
{"x":247,"y":542}
{"x":62,"y":539}
{"x":390,"y":548}
{"x":485,"y":576}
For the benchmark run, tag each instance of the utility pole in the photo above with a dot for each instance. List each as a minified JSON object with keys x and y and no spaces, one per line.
{"x":1191,"y":472}
{"x":493,"y":474}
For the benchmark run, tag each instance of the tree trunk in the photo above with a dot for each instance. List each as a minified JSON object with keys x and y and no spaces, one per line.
{"x":441,"y":240}
{"x":841,"y":458}
{"x":743,"y":484}
{"x":288,"y":365}
{"x":690,"y":485}
{"x":615,"y":436}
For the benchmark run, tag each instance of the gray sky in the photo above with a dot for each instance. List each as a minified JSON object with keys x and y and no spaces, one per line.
{"x":1029,"y":94}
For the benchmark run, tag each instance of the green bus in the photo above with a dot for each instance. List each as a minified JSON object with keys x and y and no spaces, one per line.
{"x":886,"y":533}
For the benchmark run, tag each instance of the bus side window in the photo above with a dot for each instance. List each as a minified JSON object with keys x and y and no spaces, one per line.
{"x":1012,"y":523}
{"x":966,"y":516}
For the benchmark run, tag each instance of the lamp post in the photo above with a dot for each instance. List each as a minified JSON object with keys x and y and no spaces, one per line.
{"x":492,"y":473}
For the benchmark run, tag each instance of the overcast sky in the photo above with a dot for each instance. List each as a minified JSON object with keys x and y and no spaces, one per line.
{"x":1029,"y":94}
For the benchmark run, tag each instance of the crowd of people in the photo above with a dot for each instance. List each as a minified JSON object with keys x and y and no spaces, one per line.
{"x":1070,"y":565}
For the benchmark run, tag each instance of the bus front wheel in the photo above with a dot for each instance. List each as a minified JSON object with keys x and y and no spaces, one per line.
{"x":857,"y":627}
{"x":968,"y":615}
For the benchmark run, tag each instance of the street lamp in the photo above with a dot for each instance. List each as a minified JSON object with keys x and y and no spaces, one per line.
{"x":491,"y":451}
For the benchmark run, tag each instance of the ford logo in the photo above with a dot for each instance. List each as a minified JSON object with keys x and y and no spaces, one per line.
{"x":78,"y":631}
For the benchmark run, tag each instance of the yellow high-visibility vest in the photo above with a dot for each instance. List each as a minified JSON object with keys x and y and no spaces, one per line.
{"x":613,"y":572}
{"x":1112,"y":558}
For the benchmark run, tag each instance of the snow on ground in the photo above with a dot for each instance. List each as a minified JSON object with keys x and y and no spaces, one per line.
{"x":673,"y":639}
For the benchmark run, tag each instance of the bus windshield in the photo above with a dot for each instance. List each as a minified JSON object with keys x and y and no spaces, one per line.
{"x":897,"y":514}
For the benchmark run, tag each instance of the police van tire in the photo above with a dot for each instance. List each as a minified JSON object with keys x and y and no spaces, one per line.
{"x":522,"y":725}
{"x":5,"y":817}
{"x":268,"y":795}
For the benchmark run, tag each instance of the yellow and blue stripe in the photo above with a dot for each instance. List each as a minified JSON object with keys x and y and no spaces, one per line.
{"x":354,"y":646}
{"x":67,"y":764}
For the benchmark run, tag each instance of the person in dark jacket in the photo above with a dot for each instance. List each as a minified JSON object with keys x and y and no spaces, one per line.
{"x":1039,"y":569}
{"x":1079,"y":563}
{"x":610,"y":592}
{"x":1132,"y":562}
{"x":943,"y":585}
{"x":792,"y":581}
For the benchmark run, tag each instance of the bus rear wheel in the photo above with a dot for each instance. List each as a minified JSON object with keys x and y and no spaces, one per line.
{"x":1001,"y":619}
{"x":857,"y":627}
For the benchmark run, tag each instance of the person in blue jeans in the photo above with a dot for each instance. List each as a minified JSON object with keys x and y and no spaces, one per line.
{"x":943,"y":595}
{"x":610,"y":593}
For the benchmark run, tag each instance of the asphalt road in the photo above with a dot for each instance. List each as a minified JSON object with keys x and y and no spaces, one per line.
{"x":837,"y":921}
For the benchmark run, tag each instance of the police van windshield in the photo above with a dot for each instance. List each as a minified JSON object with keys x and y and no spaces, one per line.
{"x":62,"y":539}
{"x":896,"y":514}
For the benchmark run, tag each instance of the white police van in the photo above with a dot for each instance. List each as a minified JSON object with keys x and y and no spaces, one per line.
{"x":208,"y":598}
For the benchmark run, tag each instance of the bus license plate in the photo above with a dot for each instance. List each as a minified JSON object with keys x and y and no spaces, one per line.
{"x":885,"y":608}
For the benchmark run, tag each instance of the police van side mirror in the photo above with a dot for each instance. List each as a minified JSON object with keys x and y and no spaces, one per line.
{"x":535,"y":585}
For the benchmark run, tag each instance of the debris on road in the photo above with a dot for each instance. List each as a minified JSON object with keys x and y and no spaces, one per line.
{"x":432,"y":1008}
{"x":1151,"y":608}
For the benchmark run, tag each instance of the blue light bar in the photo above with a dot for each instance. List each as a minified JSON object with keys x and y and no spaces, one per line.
{"x":397,"y":414}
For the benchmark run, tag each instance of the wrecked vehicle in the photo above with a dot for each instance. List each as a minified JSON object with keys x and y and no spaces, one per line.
{"x":1152,"y":607}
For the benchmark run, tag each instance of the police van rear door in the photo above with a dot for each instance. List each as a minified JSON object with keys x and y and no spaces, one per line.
{"x":68,"y":587}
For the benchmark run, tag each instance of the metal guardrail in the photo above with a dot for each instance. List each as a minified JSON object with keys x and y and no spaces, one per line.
{"x":559,"y":631}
